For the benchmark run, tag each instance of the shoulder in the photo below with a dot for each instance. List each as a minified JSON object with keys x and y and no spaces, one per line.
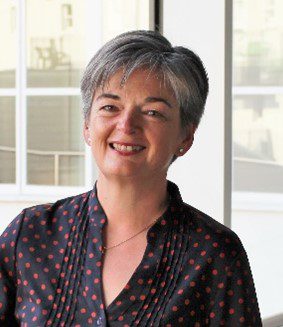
{"x":62,"y":208}
{"x":44,"y":215}
{"x":211,"y":234}
{"x":205,"y":236}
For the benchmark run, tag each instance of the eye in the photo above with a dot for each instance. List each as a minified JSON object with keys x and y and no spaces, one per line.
{"x":108,"y":108}
{"x":154,"y":113}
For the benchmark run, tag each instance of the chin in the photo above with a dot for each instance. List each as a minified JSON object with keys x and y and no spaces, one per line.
{"x":120,"y":171}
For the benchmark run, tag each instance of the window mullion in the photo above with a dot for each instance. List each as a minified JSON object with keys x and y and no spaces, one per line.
{"x":93,"y":43}
{"x":21,"y":98}
{"x":18,"y":97}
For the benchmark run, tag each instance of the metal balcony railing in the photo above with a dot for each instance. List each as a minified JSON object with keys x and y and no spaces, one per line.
{"x":55,"y":154}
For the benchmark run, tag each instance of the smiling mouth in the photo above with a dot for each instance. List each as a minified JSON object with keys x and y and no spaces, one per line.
{"x":126,"y":148}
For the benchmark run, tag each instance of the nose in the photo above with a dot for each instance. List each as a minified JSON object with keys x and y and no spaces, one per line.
{"x":128,"y":122}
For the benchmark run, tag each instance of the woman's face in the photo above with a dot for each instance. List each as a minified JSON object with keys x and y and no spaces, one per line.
{"x":134,"y":129}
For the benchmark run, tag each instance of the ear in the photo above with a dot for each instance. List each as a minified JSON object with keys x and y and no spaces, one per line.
{"x":187,"y":140}
{"x":86,"y":133}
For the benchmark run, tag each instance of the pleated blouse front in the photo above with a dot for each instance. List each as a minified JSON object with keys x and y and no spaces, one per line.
{"x":194,"y":271}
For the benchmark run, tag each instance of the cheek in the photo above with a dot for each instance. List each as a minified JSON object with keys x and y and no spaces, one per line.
{"x":164,"y":138}
{"x":162,"y":149}
{"x":98,"y":127}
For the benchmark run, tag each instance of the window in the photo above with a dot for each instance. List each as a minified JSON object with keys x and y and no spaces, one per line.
{"x":41,"y":141}
{"x":258,"y":96}
{"x":58,"y":159}
{"x":257,"y":214}
{"x":7,"y":92}
{"x":7,"y":147}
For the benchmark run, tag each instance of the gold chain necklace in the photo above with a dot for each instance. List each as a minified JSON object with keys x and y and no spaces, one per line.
{"x":105,"y":248}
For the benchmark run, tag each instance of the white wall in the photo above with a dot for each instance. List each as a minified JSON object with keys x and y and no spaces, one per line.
{"x":9,"y":210}
{"x":200,"y":26}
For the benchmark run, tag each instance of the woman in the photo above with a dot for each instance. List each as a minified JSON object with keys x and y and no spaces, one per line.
{"x":130,"y":252}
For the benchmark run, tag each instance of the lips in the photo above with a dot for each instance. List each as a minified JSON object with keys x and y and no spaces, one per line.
{"x":127,"y":147}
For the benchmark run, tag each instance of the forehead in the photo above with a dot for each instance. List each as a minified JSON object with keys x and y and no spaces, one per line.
{"x":141,"y":81}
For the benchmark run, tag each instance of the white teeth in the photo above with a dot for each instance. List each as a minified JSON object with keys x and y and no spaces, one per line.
{"x":127,"y":148}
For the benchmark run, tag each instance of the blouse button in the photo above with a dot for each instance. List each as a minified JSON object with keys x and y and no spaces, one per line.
{"x":99,"y":321}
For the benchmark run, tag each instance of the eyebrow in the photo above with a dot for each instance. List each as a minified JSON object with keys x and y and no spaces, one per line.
{"x":147,"y":100}
{"x":108,"y":96}
{"x":157,"y":99}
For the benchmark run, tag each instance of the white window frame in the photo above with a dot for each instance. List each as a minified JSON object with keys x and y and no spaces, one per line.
{"x":21,"y":191}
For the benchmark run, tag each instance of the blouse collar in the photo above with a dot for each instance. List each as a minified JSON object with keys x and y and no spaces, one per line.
{"x":98,"y":217}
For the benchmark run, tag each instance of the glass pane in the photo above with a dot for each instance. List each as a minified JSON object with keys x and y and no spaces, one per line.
{"x":258,"y":143}
{"x":125,"y":15}
{"x":69,"y":172}
{"x":8,"y":43}
{"x":7,"y":140}
{"x":40,"y":168}
{"x":54,"y":140}
{"x":258,"y":42}
{"x":55,"y":42}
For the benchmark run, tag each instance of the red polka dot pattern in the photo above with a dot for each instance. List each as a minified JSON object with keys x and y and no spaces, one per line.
{"x":194,"y":272}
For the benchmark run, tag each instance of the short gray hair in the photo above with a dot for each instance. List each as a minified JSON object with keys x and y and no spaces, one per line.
{"x":180,"y":67}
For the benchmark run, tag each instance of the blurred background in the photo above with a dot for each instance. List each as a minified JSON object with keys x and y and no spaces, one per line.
{"x":234,"y":172}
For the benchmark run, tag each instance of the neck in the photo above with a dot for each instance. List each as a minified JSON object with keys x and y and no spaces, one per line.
{"x":132,"y":204}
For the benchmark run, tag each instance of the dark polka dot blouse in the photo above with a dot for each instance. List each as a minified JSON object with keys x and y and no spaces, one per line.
{"x":194,"y":271}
